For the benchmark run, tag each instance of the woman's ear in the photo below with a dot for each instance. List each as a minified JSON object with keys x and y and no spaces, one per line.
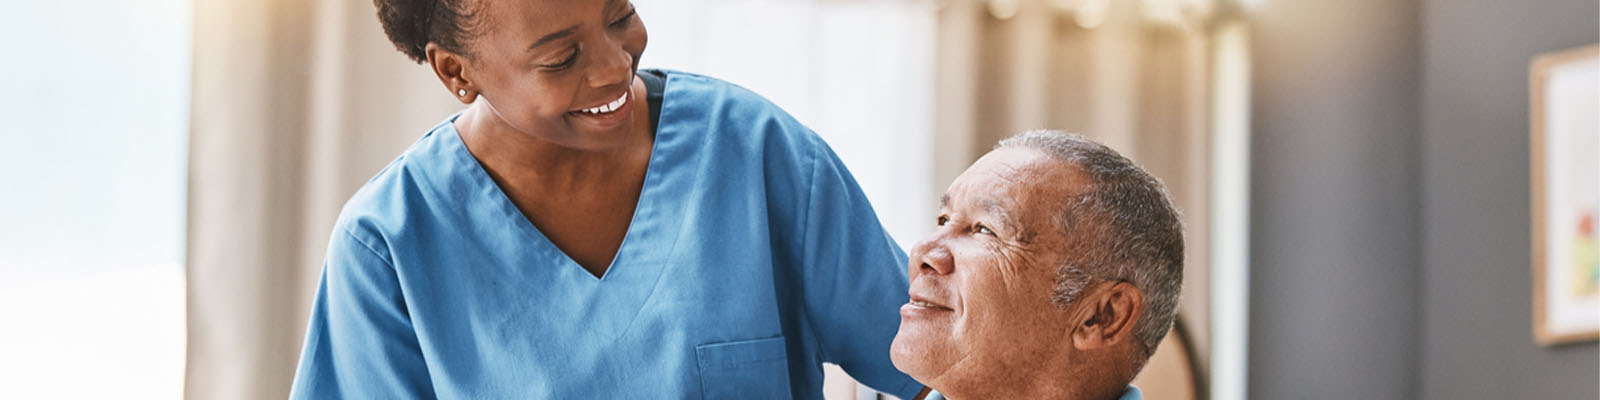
{"x":451,"y":68}
{"x":1107,"y":315}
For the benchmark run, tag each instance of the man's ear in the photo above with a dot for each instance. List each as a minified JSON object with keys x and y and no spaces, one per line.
{"x":451,"y":68}
{"x":1107,"y":316}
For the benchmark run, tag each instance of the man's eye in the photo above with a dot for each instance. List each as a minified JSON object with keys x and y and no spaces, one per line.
{"x":984,"y":230}
{"x":943,"y":220}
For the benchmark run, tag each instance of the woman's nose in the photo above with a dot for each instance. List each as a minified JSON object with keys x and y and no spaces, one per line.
{"x":613,"y":68}
{"x":931,"y":257}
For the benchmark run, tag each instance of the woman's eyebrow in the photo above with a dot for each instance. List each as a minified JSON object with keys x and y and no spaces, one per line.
{"x":554,"y":36}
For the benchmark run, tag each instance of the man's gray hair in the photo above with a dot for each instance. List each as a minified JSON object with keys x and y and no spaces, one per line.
{"x":1122,"y":226}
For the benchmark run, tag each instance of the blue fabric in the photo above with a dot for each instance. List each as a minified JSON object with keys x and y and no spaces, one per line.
{"x":752,"y":258}
{"x":1131,"y":394}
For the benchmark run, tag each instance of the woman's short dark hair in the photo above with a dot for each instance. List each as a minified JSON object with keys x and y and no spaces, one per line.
{"x":411,"y":24}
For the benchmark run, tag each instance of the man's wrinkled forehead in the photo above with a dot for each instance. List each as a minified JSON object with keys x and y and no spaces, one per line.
{"x":997,"y":190}
{"x":1022,"y":185}
{"x":986,"y":202}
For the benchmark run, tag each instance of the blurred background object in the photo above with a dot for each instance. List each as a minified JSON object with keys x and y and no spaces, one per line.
{"x":1353,"y":174}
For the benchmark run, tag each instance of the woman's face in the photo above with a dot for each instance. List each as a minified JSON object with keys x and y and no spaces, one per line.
{"x":559,"y":70}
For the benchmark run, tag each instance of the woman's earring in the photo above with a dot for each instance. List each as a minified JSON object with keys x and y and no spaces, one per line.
{"x":462,"y":92}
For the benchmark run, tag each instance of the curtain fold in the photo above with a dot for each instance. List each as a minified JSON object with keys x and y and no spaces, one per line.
{"x":295,"y":104}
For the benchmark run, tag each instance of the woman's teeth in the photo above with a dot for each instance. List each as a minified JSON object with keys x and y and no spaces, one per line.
{"x":608,"y":107}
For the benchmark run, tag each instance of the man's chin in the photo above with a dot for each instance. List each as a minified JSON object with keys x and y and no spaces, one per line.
{"x":916,"y":355}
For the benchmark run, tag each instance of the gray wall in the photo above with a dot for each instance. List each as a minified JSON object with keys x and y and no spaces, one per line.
{"x":1334,"y":245}
{"x":1476,"y":337}
{"x":1389,"y":195}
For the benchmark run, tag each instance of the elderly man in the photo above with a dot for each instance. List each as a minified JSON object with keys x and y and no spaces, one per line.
{"x":1053,"y":274}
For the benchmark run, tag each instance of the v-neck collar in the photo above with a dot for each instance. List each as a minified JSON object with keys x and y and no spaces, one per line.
{"x":654,"y":213}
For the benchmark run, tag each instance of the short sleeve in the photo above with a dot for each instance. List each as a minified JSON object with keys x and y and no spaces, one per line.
{"x":855,"y":277}
{"x":360,"y":343}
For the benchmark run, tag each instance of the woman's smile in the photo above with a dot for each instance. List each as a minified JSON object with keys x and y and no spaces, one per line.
{"x":608,"y":107}
{"x":606,"y":116}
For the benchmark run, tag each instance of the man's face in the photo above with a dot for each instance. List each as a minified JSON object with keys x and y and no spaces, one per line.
{"x":982,"y":282}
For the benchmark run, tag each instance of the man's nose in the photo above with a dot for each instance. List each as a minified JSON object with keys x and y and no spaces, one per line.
{"x":932,"y":257}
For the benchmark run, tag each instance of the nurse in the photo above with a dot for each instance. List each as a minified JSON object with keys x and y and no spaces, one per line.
{"x":586,"y":230}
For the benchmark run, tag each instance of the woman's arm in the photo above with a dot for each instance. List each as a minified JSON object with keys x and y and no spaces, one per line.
{"x":360,"y":343}
{"x":855,"y":278}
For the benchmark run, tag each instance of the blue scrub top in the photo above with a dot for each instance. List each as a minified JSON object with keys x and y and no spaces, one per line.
{"x":752,"y":258}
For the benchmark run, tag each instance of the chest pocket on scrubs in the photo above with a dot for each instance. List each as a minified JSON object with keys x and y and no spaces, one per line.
{"x":746,"y":369}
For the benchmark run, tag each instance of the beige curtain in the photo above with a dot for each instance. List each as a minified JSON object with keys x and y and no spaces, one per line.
{"x":1131,"y":74}
{"x":295,"y":104}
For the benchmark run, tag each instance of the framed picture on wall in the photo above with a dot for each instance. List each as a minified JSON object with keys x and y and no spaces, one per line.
{"x":1565,"y":145}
